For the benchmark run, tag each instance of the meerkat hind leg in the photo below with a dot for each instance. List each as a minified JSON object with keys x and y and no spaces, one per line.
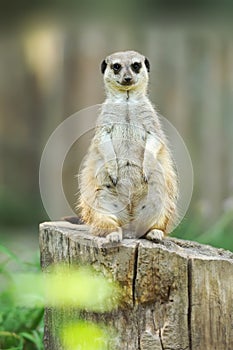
{"x":155,"y":235}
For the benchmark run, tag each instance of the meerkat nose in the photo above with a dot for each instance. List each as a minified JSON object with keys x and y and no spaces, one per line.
{"x":127,"y":79}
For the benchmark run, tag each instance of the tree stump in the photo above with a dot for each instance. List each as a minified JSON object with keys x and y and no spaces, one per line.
{"x":176,"y":294}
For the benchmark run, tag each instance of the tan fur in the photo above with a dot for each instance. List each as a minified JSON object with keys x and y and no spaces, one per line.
{"x":128,"y":181}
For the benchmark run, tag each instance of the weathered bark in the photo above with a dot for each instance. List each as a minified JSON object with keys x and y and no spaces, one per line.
{"x":176,"y":294}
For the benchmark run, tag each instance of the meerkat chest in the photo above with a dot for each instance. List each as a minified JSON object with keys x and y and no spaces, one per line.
{"x":126,"y":120}
{"x":125,"y":124}
{"x":130,"y":115}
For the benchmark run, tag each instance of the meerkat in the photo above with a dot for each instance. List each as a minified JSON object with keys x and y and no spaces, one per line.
{"x":128,"y":182}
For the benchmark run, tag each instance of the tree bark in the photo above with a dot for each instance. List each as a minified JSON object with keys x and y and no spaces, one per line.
{"x":177,"y":294}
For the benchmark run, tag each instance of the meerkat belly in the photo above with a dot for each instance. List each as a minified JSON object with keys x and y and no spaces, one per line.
{"x":130,"y":181}
{"x":129,"y":144}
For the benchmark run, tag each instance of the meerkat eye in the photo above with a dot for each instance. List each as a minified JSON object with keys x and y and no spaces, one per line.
{"x":116,"y":67}
{"x":136,"y":67}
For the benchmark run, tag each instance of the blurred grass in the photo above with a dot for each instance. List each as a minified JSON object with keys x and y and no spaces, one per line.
{"x":21,"y":328}
{"x":218,"y":234}
{"x":24,"y":293}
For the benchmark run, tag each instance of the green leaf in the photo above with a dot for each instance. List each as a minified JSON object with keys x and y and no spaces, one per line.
{"x":28,"y":336}
{"x":20,"y":319}
{"x":34,"y":338}
{"x":9,"y":340}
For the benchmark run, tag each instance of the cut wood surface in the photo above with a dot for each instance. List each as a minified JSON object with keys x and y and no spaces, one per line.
{"x":177,"y":294}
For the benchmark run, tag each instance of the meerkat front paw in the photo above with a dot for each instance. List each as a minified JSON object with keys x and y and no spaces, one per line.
{"x":155,"y":235}
{"x":115,"y":237}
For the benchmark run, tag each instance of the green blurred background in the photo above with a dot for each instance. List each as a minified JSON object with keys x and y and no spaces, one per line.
{"x":50,"y":53}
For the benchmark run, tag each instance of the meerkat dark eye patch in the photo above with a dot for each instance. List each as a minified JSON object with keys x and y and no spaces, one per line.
{"x":136,"y":66}
{"x":116,"y":67}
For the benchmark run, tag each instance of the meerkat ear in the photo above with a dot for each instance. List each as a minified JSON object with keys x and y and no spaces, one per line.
{"x":103,"y":66}
{"x":147,"y":64}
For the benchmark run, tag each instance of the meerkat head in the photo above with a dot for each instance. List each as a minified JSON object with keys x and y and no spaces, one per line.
{"x":125,"y":71}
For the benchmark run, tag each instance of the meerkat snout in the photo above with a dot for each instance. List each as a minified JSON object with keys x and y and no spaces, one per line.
{"x":127,"y":80}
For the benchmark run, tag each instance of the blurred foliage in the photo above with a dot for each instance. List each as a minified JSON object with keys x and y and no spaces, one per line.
{"x":85,"y":335}
{"x":218,"y":234}
{"x":26,"y":6}
{"x":65,"y":286}
{"x":133,"y":9}
{"x":82,"y":288}
{"x":24,"y":294}
{"x":21,"y":328}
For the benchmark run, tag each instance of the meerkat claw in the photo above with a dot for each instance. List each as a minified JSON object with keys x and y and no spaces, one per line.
{"x":145,"y":178}
{"x":113,"y":179}
{"x":145,"y":175}
{"x":155,"y":235}
{"x":115,"y":237}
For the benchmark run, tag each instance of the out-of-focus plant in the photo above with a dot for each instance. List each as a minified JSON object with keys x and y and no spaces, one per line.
{"x":82,"y":288}
{"x":69,"y":287}
{"x":63,"y":287}
{"x":21,"y":328}
{"x":218,"y":234}
{"x":85,"y":335}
